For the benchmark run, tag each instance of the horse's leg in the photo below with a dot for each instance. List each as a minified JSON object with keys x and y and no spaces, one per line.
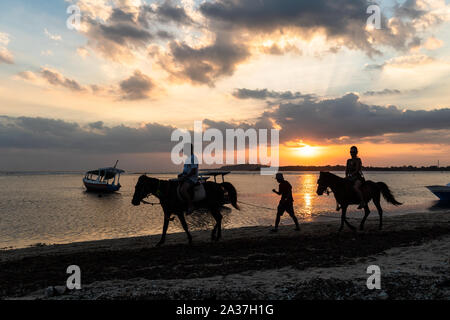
{"x":366,"y":214}
{"x":165,"y":227}
{"x":213,"y":233}
{"x":185,"y":226}
{"x":344,"y":213}
{"x":376,"y":201}
{"x":218,"y":227}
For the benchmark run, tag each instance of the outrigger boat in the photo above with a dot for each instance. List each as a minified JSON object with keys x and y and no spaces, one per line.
{"x":100,"y":180}
{"x":442,"y":192}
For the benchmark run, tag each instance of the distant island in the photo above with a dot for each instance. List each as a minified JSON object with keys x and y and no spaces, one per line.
{"x":257,"y":167}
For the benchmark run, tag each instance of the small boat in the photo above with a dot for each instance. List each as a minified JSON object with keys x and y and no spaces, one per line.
{"x":103,"y":179}
{"x":442,"y":192}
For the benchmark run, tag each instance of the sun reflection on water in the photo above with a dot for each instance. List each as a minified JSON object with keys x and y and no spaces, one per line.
{"x":305,"y":196}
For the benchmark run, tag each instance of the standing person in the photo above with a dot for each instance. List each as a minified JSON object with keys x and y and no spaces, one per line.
{"x":353,"y":172}
{"x":189,"y":178}
{"x":286,"y":201}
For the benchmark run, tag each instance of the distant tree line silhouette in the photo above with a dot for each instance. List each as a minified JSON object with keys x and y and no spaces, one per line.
{"x":256,"y":167}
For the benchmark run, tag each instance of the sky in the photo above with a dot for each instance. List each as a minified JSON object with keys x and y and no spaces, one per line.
{"x":117,"y":85}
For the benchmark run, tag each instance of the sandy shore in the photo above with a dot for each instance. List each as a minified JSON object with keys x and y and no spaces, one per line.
{"x":413,"y":252}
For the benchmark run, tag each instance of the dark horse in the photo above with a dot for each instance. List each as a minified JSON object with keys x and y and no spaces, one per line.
{"x":345,"y":196}
{"x":166,"y":191}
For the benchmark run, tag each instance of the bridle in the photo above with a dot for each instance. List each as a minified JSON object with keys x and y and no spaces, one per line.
{"x":158,"y":194}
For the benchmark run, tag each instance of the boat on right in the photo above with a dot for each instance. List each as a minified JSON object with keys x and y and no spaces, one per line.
{"x":442,"y":192}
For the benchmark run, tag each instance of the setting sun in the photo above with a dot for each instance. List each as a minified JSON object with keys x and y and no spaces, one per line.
{"x":307,"y":151}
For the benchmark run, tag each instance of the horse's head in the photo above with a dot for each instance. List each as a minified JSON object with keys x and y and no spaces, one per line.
{"x":144,"y":187}
{"x":323,"y":183}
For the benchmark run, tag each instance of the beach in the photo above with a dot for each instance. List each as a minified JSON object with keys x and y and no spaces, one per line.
{"x":412,"y":251}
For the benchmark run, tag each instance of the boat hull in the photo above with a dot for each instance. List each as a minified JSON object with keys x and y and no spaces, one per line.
{"x":93,"y":186}
{"x":442,"y":192}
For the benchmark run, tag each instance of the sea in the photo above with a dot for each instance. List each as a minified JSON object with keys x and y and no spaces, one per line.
{"x":54,"y":208}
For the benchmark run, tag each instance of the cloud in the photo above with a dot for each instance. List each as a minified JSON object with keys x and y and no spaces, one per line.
{"x":263,"y":94}
{"x":57,"y":79}
{"x":277,"y":50}
{"x":96,"y":138}
{"x":331,"y":119}
{"x":433,"y":44}
{"x":54,"y":37}
{"x":5,"y":55}
{"x":137,"y":87}
{"x":83,"y":52}
{"x":403,"y":62}
{"x":340,"y":20}
{"x":205,"y":64}
{"x":421,"y":137}
{"x":210,"y":39}
{"x":46,"y":76}
{"x":384,"y":92}
{"x":118,"y":30}
{"x":169,"y":12}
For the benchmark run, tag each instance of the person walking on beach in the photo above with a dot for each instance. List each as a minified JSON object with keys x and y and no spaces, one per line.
{"x":286,"y":202}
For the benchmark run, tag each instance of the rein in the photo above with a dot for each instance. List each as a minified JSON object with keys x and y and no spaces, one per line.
{"x":158,"y":194}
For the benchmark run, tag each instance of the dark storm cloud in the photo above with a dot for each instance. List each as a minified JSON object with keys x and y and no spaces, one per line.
{"x":347,"y":116}
{"x":41,"y":133}
{"x":137,"y":87}
{"x":263,"y":94}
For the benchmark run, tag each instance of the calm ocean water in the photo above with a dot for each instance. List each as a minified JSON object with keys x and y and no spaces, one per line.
{"x":54,"y":208}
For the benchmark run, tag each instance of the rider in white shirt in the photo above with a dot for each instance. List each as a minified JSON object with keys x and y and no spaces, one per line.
{"x":189,"y":179}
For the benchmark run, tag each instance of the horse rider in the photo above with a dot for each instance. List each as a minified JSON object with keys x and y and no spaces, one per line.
{"x":286,"y":201}
{"x":189,"y":178}
{"x":353,"y":172}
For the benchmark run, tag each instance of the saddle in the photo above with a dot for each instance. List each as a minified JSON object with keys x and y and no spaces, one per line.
{"x":197,"y":193}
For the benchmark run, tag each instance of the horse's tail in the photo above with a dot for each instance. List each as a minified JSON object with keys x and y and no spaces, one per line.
{"x":232,"y":194}
{"x":387,"y":194}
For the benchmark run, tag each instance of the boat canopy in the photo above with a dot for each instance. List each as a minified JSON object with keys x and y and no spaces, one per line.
{"x":206,"y":174}
{"x":107,"y":173}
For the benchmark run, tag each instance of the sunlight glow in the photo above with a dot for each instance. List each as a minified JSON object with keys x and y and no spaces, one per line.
{"x":307,"y":151}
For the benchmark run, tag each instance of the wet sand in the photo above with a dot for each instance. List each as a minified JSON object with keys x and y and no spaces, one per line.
{"x":413,"y":252}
